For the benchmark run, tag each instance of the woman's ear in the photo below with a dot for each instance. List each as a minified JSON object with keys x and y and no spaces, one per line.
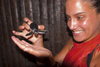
{"x":99,"y":20}
{"x":99,"y":16}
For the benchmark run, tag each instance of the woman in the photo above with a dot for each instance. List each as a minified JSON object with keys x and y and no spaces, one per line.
{"x":82,"y":50}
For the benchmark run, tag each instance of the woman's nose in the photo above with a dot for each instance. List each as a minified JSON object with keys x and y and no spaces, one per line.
{"x":72,"y":24}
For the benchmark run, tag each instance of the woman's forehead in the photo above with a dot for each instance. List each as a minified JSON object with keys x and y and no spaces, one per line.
{"x":86,"y":1}
{"x":76,"y":6}
{"x":78,"y":3}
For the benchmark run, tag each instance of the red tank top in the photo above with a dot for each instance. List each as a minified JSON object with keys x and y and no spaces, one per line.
{"x":77,"y":56}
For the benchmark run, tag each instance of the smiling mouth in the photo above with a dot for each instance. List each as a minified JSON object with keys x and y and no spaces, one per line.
{"x":77,"y":32}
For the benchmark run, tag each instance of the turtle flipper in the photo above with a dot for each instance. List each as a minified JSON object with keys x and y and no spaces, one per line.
{"x":29,"y":33}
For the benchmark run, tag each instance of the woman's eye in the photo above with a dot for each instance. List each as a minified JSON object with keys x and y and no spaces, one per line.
{"x":68,"y":18}
{"x":80,"y":17}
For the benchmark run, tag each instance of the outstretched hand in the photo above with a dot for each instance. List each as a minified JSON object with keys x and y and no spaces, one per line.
{"x":42,"y":53}
{"x":37,"y":48}
{"x":25,"y":28}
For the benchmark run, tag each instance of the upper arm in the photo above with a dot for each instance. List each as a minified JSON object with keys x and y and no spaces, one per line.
{"x":61,"y":55}
{"x":95,"y":62}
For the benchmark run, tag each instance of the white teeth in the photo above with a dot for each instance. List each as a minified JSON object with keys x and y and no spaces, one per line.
{"x":77,"y":31}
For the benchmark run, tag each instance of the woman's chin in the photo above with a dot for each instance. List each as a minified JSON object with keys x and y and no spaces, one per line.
{"x":79,"y":40}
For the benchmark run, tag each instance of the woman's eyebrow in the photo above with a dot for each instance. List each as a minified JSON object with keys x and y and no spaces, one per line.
{"x":76,"y":13}
{"x":67,"y":15}
{"x":79,"y":13}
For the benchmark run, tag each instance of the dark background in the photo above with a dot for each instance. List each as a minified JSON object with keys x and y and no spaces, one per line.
{"x":50,"y":13}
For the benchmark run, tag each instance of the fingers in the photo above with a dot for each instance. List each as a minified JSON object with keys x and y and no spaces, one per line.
{"x":18,"y":43}
{"x":17,"y":33}
{"x":26,"y":46}
{"x":27,"y":20}
{"x":24,"y":26}
{"x":20,"y":34}
{"x":23,"y":34}
{"x":21,"y":44}
{"x":27,"y":27}
{"x":38,"y":51}
{"x":21,"y":27}
{"x":41,"y":27}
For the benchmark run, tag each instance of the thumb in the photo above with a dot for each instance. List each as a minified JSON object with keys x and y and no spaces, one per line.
{"x":41,"y":27}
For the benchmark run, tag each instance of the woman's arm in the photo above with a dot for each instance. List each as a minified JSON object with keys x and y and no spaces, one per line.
{"x":61,"y":55}
{"x":95,"y":62}
{"x":37,"y":49}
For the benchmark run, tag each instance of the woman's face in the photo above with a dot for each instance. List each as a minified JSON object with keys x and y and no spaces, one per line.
{"x":83,"y":20}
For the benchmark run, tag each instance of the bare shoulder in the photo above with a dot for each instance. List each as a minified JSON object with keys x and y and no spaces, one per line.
{"x":95,"y":62}
{"x":68,"y":45}
{"x":61,"y":55}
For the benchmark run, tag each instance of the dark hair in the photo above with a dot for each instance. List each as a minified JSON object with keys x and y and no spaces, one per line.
{"x":95,"y":4}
